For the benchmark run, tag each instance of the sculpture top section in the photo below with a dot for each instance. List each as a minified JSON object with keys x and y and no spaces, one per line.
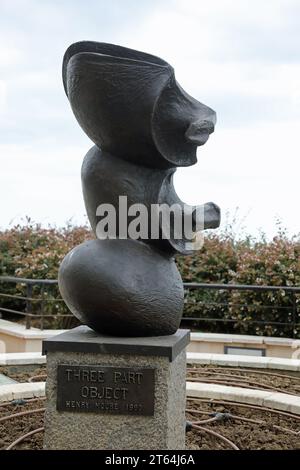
{"x":130,"y":105}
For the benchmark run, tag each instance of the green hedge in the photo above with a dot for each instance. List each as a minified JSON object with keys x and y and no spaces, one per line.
{"x":35,"y":252}
{"x":258,"y":262}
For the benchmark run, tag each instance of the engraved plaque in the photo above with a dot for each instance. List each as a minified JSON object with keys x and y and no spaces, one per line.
{"x":97,"y":389}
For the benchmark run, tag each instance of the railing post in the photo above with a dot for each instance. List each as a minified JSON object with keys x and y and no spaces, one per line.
{"x":42,"y":306}
{"x":294,"y":314}
{"x":28,"y":305}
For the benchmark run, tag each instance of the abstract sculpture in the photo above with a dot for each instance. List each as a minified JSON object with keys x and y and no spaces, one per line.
{"x":143,"y":125}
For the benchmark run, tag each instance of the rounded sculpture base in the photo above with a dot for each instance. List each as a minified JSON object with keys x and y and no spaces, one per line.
{"x":122,"y":288}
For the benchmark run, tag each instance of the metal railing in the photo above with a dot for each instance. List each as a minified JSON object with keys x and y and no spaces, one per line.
{"x":293,"y":314}
{"x":43,"y":285}
{"x":29,"y":299}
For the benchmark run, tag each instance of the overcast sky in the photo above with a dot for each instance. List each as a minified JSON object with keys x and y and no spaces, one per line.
{"x":239,"y":57}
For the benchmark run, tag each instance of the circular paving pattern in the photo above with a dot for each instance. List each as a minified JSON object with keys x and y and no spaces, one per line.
{"x":211,"y":424}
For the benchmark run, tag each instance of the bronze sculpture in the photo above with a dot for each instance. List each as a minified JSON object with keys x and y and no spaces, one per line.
{"x":143,"y":125}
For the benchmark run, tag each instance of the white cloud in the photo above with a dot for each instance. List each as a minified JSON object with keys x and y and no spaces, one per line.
{"x":3,"y":94}
{"x":9,"y":55}
{"x":241,"y":58}
{"x":255,"y":169}
{"x":41,"y":183}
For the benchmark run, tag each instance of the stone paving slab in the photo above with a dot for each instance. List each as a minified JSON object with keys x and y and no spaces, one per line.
{"x":233,"y":360}
{"x":243,"y":339}
{"x":22,"y":390}
{"x":4,"y":380}
{"x":278,"y":400}
{"x":22,"y":358}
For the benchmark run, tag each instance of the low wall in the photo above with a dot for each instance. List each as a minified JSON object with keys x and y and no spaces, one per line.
{"x":14,"y":337}
{"x":214,"y":343}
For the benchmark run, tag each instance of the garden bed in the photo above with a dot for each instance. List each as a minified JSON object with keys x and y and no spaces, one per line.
{"x":212,"y":424}
{"x":28,"y":373}
{"x":258,"y":379}
{"x":262,"y":432}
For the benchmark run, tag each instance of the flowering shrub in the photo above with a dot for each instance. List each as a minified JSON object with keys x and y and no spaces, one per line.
{"x":35,"y":252}
{"x":30,"y":251}
{"x":249,"y":262}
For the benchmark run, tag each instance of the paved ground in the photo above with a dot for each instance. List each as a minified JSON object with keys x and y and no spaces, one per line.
{"x":4,"y":380}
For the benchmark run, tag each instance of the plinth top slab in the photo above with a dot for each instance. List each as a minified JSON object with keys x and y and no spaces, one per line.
{"x":85,"y":340}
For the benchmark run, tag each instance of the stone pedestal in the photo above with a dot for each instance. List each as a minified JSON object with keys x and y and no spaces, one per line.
{"x":115,"y":393}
